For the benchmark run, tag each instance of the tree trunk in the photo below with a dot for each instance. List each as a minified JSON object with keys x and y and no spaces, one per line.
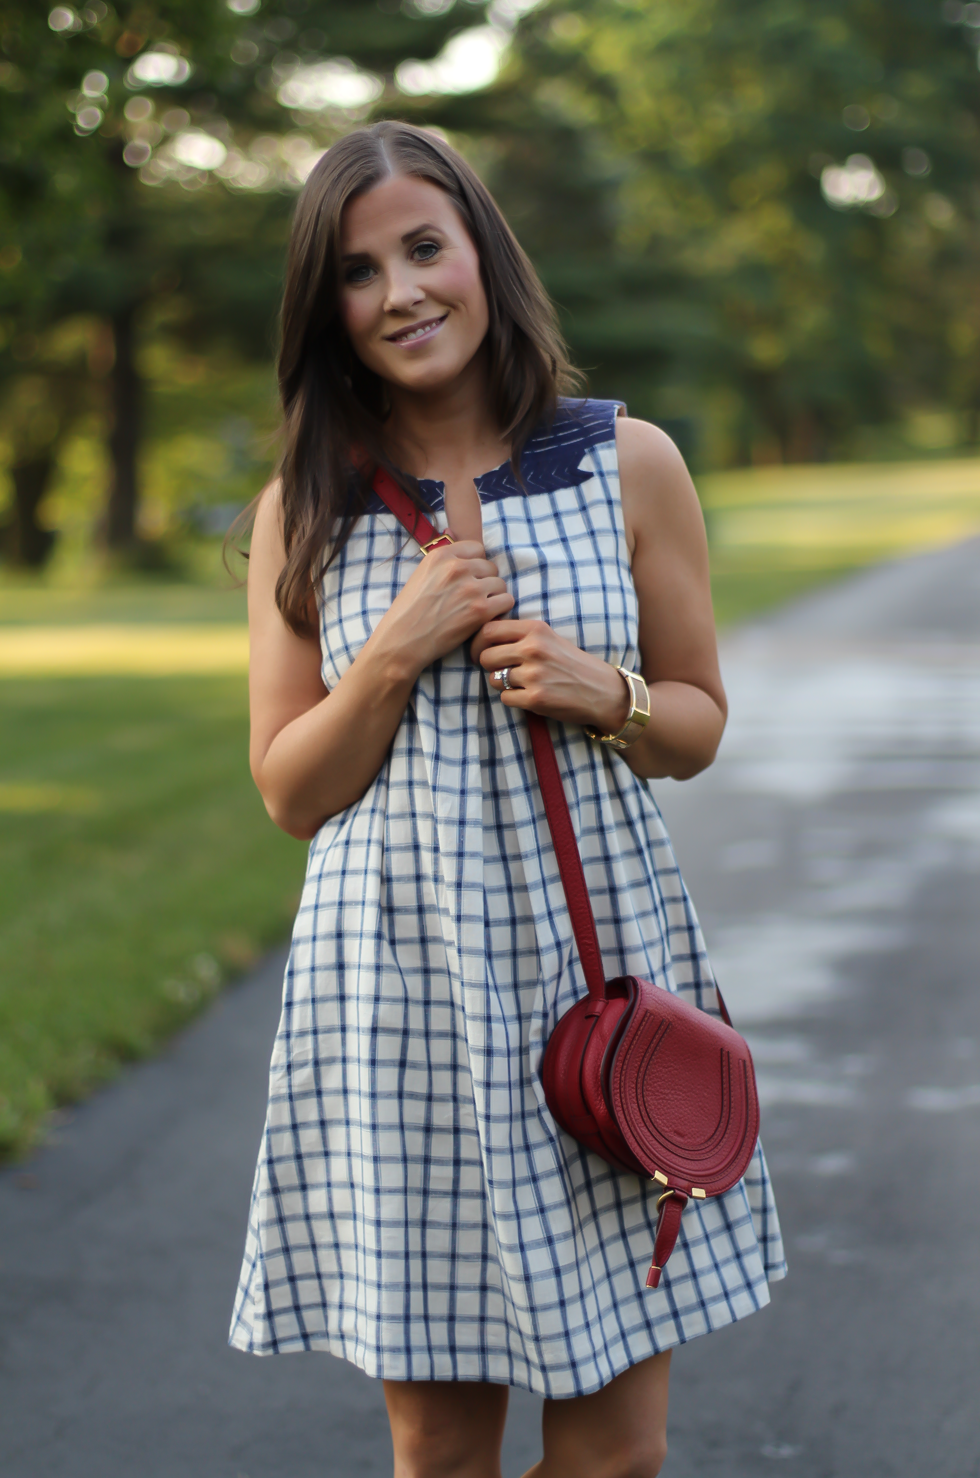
{"x":125,"y":407}
{"x":973,"y":422}
{"x":24,"y":541}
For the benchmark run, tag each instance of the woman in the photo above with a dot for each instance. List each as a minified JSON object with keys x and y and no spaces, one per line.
{"x":416,"y":1210}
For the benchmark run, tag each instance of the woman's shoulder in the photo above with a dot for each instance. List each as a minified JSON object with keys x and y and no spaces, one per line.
{"x":585,"y":422}
{"x":641,"y":449}
{"x":656,"y":491}
{"x":644,"y":448}
{"x":267,"y":508}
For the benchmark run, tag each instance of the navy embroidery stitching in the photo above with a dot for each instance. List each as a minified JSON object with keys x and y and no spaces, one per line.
{"x":551,"y":461}
{"x":552,"y":458}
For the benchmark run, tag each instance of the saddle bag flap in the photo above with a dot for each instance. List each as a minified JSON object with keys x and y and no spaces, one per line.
{"x":681,"y":1087}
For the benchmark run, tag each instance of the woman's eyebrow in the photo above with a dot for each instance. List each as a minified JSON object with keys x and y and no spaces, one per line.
{"x":418,"y":230}
{"x":351,"y":256}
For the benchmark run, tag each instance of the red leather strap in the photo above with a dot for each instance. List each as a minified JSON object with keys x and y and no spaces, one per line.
{"x":672,"y":1205}
{"x":406,"y":511}
{"x":549,"y":777}
{"x":567,"y":854}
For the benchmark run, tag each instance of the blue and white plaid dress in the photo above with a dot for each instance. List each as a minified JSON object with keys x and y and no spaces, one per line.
{"x":415,"y":1208}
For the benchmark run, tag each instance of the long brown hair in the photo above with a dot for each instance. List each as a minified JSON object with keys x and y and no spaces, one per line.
{"x":331,"y":402}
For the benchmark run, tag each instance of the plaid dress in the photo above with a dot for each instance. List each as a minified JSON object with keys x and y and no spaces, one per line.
{"x":415,"y":1208}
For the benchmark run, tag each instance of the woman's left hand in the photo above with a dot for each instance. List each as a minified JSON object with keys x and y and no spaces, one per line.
{"x":551,"y":676}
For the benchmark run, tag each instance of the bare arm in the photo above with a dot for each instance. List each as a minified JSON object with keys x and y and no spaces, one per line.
{"x":669,"y":556}
{"x":313,"y":753}
{"x":688,"y":707}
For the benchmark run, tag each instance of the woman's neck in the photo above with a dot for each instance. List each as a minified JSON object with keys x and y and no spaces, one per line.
{"x":449,"y":433}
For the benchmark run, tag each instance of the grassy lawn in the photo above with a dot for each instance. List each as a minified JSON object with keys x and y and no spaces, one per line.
{"x":139,"y":871}
{"x":775,"y":532}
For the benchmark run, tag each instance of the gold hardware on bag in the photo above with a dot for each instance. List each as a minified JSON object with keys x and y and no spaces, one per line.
{"x":436,"y":543}
{"x":659,"y":1175}
{"x":698,"y":1192}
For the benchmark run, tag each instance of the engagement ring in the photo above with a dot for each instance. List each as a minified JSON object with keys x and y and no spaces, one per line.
{"x":502,"y":675}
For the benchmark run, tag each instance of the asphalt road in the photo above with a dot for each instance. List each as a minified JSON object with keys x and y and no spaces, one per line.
{"x":834,"y":853}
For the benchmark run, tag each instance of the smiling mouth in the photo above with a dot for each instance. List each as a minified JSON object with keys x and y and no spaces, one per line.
{"x":417,"y":331}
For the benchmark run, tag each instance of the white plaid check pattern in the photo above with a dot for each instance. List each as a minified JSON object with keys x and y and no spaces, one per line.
{"x":415,"y":1208}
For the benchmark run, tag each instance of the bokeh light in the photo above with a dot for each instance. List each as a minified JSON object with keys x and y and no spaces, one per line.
{"x":469,"y":60}
{"x":88,"y":119}
{"x":198,"y":150}
{"x":856,"y":117}
{"x":916,"y":161}
{"x":330,"y":84}
{"x":856,"y":183}
{"x":158,"y":68}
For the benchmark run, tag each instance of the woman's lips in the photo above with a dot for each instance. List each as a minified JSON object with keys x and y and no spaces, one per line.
{"x":417,"y":333}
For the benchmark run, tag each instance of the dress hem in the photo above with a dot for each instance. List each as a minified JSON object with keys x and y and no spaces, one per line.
{"x":445,"y":1366}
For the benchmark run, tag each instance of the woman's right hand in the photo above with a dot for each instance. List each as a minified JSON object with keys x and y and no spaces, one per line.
{"x":453,"y":592}
{"x":314,"y":752}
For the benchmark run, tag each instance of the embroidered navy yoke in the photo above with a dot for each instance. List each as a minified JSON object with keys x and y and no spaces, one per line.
{"x":416,"y":1210}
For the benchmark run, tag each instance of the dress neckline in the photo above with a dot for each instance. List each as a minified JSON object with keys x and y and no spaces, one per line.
{"x":552,"y":457}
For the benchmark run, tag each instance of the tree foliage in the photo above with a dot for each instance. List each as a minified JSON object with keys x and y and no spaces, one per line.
{"x":762,"y":216}
{"x":773,"y":199}
{"x":149,"y":160}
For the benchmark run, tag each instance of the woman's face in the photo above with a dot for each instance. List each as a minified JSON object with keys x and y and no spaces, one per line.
{"x":411,"y":294}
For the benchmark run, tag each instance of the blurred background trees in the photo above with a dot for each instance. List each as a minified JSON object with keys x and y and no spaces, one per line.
{"x":760,"y":217}
{"x":760,"y":223}
{"x":149,"y":162}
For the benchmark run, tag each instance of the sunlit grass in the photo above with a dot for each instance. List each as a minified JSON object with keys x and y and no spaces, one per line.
{"x":138,"y":650}
{"x":34,"y":800}
{"x":776,"y":532}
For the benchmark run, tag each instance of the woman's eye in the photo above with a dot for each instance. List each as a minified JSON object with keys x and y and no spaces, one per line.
{"x":360,"y":273}
{"x":426,"y":250}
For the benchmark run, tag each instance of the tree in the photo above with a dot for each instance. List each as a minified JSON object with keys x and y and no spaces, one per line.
{"x":780,"y":200}
{"x":152,"y":152}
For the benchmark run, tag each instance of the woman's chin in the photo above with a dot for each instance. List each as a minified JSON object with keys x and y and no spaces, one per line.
{"x":429,"y":376}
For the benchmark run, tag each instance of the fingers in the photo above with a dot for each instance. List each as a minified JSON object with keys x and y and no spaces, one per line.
{"x":495,"y":658}
{"x":463,"y":549}
{"x":505,"y":631}
{"x":481,"y":641}
{"x":503,"y":642}
{"x":495,"y":633}
{"x":498,"y":682}
{"x":446,"y":561}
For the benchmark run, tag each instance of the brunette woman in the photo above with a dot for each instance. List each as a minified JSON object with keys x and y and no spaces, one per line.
{"x":416,"y":1209}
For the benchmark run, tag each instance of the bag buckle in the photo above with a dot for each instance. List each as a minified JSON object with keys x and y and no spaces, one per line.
{"x":437,"y":543}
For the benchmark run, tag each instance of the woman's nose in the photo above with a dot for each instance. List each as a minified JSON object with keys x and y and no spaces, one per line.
{"x":403,"y":293}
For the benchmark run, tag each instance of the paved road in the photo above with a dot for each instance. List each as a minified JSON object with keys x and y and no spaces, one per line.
{"x":834,"y":852}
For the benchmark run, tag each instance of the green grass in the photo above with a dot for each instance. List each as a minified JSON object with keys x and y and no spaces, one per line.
{"x":138,"y":871}
{"x":739,"y":594}
{"x":39,"y":605}
{"x":776,"y":532}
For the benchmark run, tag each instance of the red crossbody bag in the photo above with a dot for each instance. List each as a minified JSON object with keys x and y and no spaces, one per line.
{"x":634,"y":1073}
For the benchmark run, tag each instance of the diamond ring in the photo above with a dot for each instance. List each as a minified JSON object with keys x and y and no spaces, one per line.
{"x":502,"y":675}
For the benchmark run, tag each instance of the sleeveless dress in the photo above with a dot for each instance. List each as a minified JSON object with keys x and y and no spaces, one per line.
{"x":416,"y":1210}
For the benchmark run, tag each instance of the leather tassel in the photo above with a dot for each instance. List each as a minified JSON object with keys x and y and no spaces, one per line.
{"x":671,"y":1205}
